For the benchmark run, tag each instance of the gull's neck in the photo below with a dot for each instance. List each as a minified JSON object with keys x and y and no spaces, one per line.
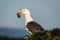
{"x":28,"y":18}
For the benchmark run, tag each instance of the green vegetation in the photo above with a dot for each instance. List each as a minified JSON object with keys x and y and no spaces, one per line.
{"x":46,"y":35}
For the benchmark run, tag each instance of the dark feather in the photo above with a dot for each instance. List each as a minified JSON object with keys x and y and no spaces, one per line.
{"x":34,"y":27}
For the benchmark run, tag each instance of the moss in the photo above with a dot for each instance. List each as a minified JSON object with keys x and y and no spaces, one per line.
{"x":46,"y":35}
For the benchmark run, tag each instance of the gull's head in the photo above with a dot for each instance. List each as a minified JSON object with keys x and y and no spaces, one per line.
{"x":23,"y":11}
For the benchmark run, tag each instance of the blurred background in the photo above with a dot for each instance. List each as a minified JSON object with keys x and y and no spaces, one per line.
{"x":44,"y":12}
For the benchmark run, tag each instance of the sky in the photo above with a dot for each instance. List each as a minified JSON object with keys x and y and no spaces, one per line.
{"x":44,"y":12}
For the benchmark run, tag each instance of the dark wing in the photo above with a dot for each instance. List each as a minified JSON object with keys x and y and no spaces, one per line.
{"x":34,"y":27}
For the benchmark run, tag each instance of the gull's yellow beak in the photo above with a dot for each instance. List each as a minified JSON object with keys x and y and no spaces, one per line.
{"x":19,"y":13}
